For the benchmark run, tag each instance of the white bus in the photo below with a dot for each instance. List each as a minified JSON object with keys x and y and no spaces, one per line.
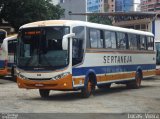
{"x":8,"y":50}
{"x":157,"y":47}
{"x":77,"y":55}
{"x":3,"y":35}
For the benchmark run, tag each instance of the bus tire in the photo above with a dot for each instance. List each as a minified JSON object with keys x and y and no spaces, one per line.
{"x":88,"y":89}
{"x":137,"y":82}
{"x":105,"y":86}
{"x":44,"y":93}
{"x":13,"y":73}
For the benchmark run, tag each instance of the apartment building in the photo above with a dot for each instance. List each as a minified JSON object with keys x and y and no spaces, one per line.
{"x":150,"y":5}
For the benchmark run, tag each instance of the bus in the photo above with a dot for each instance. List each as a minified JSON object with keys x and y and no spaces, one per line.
{"x":8,"y":50}
{"x":3,"y":71}
{"x":75,"y":55}
{"x":157,"y":47}
{"x":3,"y":35}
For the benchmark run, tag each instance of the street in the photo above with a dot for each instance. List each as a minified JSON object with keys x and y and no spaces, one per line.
{"x":118,"y":99}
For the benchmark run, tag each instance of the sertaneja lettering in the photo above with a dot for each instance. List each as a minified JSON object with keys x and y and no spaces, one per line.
{"x":117,"y":59}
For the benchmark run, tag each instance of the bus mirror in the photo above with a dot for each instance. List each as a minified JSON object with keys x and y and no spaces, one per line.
{"x":65,"y":40}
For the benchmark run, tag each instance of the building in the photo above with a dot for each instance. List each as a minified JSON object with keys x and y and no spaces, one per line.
{"x":124,"y":5}
{"x":94,"y":6}
{"x":109,"y":5}
{"x":150,"y":5}
{"x":73,"y":6}
{"x":100,"y":6}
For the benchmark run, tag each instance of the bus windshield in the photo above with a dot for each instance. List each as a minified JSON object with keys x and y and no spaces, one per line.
{"x":2,"y":36}
{"x":158,"y":53}
{"x":41,"y":48}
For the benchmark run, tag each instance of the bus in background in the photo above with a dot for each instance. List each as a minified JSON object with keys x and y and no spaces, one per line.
{"x":3,"y":63}
{"x":157,"y":47}
{"x":3,"y":71}
{"x":8,"y":48}
{"x":3,"y":35}
{"x":77,"y":55}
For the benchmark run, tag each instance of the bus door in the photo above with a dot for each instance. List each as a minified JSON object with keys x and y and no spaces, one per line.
{"x":11,"y":52}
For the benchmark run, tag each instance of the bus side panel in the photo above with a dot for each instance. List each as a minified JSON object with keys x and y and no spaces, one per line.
{"x":114,"y":67}
{"x":3,"y":69}
{"x":3,"y":62}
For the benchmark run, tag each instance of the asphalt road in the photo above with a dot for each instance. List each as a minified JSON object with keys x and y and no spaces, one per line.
{"x":118,"y":99}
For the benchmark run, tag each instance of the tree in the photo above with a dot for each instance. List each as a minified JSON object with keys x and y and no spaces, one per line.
{"x":19,"y":12}
{"x":100,"y":19}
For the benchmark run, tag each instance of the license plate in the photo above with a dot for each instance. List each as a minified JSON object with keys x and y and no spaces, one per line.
{"x":39,"y":85}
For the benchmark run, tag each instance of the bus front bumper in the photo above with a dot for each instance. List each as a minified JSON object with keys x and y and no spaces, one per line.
{"x":3,"y":72}
{"x":59,"y":84}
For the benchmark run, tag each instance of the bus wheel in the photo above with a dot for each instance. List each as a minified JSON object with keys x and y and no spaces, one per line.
{"x":44,"y":93}
{"x":137,"y":82}
{"x":88,"y":89}
{"x":13,"y":73}
{"x":106,"y":86}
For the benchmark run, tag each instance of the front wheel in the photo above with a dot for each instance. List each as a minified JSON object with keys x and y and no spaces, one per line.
{"x":88,"y":89}
{"x":44,"y":93}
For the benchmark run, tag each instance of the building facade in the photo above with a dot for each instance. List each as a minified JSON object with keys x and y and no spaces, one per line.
{"x":150,"y":5}
{"x":124,"y":5}
{"x":94,"y":5}
{"x":73,"y":6}
{"x":109,"y":5}
{"x":100,"y":6}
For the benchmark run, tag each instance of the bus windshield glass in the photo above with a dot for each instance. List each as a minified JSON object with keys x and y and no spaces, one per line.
{"x":2,"y":36}
{"x":158,"y":53}
{"x":41,"y":48}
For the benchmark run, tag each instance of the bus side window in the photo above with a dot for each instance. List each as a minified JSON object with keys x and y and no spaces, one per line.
{"x":121,"y":40}
{"x":78,"y":45}
{"x":132,"y":41}
{"x":150,"y":43}
{"x":96,"y":38}
{"x":12,"y":46}
{"x":110,"y":39}
{"x":143,"y":43}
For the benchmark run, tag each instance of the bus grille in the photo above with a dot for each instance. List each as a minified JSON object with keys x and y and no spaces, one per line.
{"x":43,"y":79}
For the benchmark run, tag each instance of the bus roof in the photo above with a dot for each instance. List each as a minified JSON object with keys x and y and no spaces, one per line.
{"x":83,"y":23}
{"x":11,"y":37}
{"x":3,"y":46}
{"x":3,"y":30}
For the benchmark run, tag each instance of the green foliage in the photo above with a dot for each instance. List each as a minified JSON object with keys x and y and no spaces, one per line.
{"x":19,"y":12}
{"x":100,"y":19}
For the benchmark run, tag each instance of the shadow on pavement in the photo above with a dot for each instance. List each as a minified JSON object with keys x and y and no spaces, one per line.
{"x":76,"y":95}
{"x":7,"y":79}
{"x":152,"y":78}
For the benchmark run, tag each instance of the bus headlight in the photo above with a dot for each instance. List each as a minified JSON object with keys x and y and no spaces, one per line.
{"x":60,"y":76}
{"x":21,"y":76}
